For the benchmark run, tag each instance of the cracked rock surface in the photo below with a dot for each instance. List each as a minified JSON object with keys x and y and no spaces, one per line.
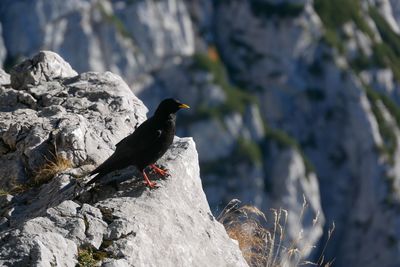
{"x":55,"y":110}
{"x":135,"y":226}
{"x":82,"y":116}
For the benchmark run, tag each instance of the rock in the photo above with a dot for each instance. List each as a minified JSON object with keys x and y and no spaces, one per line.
{"x":169,"y":226}
{"x":310,"y":82}
{"x":96,"y":227}
{"x":4,"y":77}
{"x":297,"y":192}
{"x":253,"y":118}
{"x":128,"y":38}
{"x":45,"y":66}
{"x":55,"y":117}
{"x":115,"y":263}
{"x":166,"y":221}
{"x":5,"y":200}
{"x":171,"y":31}
{"x":79,"y":118}
{"x":312,"y":90}
{"x":211,"y":133}
{"x":385,"y":8}
{"x":3,"y":51}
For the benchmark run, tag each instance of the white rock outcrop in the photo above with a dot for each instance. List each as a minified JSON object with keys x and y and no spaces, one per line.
{"x":81,"y":117}
{"x":133,"y":225}
{"x":55,"y":110}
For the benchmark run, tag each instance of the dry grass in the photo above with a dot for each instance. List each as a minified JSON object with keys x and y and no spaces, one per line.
{"x":42,"y":175}
{"x":3,"y":192}
{"x":263,"y":246}
{"x":48,"y":170}
{"x":17,"y":188}
{"x":91,"y":257}
{"x":86,"y":258}
{"x":243,"y":225}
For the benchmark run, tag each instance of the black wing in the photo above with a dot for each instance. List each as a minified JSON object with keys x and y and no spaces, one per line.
{"x":128,"y":149}
{"x":139,"y":141}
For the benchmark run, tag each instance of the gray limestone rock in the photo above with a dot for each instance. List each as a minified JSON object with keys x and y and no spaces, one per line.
{"x":78,"y":118}
{"x":4,"y":77}
{"x":293,"y":189}
{"x":312,"y":91}
{"x":171,"y":225}
{"x":3,"y":51}
{"x":43,"y":67}
{"x":126,"y":37}
{"x":231,"y":165}
{"x":211,"y":133}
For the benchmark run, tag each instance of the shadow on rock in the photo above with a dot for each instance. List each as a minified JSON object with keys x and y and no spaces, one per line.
{"x":65,"y":186}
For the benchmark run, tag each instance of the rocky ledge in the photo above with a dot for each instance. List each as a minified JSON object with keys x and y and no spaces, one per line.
{"x":50,"y":112}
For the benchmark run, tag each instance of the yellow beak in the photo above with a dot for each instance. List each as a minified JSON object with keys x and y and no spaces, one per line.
{"x":183,"y":106}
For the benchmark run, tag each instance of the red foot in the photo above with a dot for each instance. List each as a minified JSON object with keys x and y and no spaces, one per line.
{"x":159,"y":171}
{"x":151,"y":184}
{"x":147,"y":180}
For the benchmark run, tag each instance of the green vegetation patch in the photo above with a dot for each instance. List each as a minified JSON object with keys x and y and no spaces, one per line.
{"x":237,"y":99}
{"x":386,"y":53}
{"x":86,"y":258}
{"x":286,"y":141}
{"x":335,"y":13}
{"x":114,"y":20}
{"x":262,"y":8}
{"x":281,"y":138}
{"x":250,"y":150}
{"x":245,"y":151}
{"x":386,"y":131}
{"x":361,"y":62}
{"x":90,"y":257}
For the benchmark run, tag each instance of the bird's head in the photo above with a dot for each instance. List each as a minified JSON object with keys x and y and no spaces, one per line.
{"x":169,"y":106}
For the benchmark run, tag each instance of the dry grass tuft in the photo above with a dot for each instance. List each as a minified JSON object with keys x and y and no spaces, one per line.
{"x":243,"y":225}
{"x":91,"y":257}
{"x":46,"y":172}
{"x":3,"y":192}
{"x":263,"y":246}
{"x":42,"y":175}
{"x":86,"y":258}
{"x":18,"y":188}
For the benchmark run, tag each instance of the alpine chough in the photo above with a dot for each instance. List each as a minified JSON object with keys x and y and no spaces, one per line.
{"x":145,"y":145}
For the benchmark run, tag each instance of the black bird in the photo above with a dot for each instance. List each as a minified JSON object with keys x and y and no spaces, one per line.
{"x":145,"y":145}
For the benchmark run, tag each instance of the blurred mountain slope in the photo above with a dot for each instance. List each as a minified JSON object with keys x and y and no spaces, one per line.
{"x":289,"y":98}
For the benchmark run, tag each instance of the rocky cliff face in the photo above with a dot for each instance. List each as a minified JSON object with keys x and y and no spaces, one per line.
{"x":99,"y":32}
{"x":322,"y":90}
{"x":294,"y":98}
{"x":51,"y":112}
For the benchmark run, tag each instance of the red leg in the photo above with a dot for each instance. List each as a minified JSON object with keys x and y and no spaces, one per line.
{"x":159,"y":171}
{"x":147,"y":181}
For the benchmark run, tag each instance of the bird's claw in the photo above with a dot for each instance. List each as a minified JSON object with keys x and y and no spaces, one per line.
{"x":151,"y":185}
{"x":162,"y":172}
